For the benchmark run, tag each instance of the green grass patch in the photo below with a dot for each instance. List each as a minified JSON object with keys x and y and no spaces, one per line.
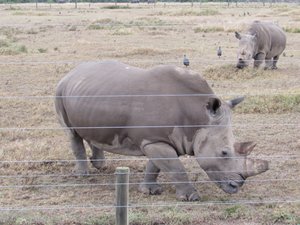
{"x":230,"y":72}
{"x":282,"y":217}
{"x":264,"y":104}
{"x":208,"y":29}
{"x":176,"y":216}
{"x":147,"y":21}
{"x":11,"y":48}
{"x":42,"y":50}
{"x":292,"y":29}
{"x":116,"y":7}
{"x":95,"y":27}
{"x":104,"y":24}
{"x":233,"y":212}
{"x":139,"y":217}
{"x":191,"y":12}
{"x":32,"y":31}
{"x":72,"y":28}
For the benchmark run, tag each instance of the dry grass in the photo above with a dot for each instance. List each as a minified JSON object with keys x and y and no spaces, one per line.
{"x":131,"y":34}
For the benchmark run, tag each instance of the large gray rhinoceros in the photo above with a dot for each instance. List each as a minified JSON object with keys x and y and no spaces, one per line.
{"x":263,"y":41}
{"x":162,"y":113}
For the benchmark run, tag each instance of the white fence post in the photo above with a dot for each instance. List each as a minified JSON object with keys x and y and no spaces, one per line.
{"x":122,"y":192}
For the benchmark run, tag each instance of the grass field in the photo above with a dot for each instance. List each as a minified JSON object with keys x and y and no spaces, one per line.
{"x":39,"y":46}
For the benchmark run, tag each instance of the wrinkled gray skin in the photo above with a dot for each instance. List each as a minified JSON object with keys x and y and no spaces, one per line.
{"x":104,"y":121}
{"x":262,"y":42}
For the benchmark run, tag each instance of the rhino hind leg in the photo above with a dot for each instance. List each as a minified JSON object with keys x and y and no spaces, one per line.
{"x":150,"y":185}
{"x":172,"y":166}
{"x":98,"y":158}
{"x":81,"y":167}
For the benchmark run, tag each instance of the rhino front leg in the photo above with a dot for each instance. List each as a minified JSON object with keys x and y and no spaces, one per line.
{"x":150,"y":185}
{"x":268,"y":64}
{"x":275,"y":59}
{"x":79,"y":153}
{"x":166,"y":159}
{"x":98,"y":158}
{"x":258,"y":59}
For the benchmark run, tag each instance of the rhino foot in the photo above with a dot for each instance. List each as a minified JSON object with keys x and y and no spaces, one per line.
{"x":274,"y":68}
{"x":270,"y":68}
{"x":193,"y":196}
{"x":151,"y":189}
{"x":98,"y":164}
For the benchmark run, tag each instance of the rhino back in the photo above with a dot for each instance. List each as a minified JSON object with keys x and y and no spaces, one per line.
{"x":114,"y":95}
{"x":270,"y":38}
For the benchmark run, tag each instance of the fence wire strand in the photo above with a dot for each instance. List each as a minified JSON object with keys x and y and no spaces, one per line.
{"x":110,"y":174}
{"x":144,"y":158}
{"x":175,"y":62}
{"x":53,"y":97}
{"x":155,"y":205}
{"x":146,"y":126}
{"x":138,"y":183}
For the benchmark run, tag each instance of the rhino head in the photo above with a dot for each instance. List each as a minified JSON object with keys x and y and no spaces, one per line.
{"x":217,"y":153}
{"x":247,"y":43}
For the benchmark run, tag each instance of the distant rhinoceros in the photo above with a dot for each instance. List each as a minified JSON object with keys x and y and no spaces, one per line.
{"x":161,"y":113}
{"x":263,"y":41}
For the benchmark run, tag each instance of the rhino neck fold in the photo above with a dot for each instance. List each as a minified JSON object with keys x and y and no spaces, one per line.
{"x":181,"y":143}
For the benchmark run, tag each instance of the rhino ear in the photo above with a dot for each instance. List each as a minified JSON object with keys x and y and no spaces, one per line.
{"x":213,"y":105}
{"x":238,"y":36}
{"x":244,"y":148}
{"x":232,"y":103}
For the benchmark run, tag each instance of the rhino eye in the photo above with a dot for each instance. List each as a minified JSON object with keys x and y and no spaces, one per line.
{"x":224,"y":153}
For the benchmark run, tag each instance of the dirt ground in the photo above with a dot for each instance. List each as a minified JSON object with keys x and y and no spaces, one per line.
{"x":39,"y":46}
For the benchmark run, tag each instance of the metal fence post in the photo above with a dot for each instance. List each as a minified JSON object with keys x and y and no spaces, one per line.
{"x":122,"y":192}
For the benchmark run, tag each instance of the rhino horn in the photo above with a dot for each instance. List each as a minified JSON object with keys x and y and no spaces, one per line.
{"x":232,"y":103}
{"x":244,"y":148}
{"x":254,"y":167}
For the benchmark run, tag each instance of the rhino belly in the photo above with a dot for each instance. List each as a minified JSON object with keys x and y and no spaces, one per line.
{"x":127,"y":147}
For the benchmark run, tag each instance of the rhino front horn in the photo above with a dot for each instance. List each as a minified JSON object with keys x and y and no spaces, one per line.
{"x":255,"y":167}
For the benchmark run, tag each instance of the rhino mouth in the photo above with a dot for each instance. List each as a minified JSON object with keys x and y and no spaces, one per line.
{"x":231,"y":186}
{"x":241,"y":65}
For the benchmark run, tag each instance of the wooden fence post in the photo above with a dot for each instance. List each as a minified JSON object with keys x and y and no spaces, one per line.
{"x":122,"y":192}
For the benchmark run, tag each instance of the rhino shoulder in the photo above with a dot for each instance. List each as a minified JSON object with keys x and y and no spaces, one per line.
{"x":178,"y":72}
{"x":184,"y":78}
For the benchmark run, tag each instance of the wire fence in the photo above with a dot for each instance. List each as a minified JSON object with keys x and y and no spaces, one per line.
{"x":136,"y":181}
